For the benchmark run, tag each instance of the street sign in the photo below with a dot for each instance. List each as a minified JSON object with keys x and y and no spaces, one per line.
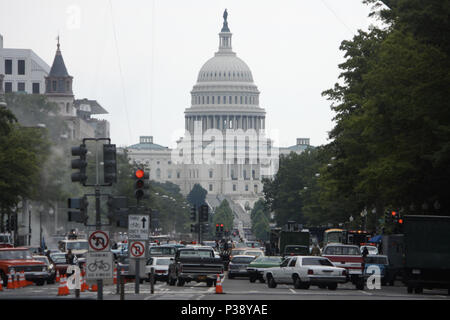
{"x":99,"y":265}
{"x":98,"y":241}
{"x":138,"y":227}
{"x":137,"y":249}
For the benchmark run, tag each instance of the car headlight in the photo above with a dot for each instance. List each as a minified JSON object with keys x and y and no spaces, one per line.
{"x":44,"y":269}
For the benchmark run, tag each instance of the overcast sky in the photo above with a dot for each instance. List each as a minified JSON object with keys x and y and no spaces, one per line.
{"x":140,"y":58}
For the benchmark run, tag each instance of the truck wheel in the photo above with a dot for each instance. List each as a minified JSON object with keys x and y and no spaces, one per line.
{"x":261,"y":280}
{"x":409,"y":289}
{"x":252,"y":279}
{"x":322,"y":286}
{"x":418,"y":290}
{"x":360,"y":285}
{"x":4,"y":278}
{"x":271,"y":282}
{"x":332,"y":286}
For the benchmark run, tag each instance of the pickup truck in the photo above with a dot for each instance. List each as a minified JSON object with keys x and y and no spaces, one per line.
{"x":18,"y":260}
{"x":194,"y":264}
{"x":348,"y":257}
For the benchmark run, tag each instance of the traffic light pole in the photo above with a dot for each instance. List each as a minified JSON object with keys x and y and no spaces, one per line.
{"x":98,"y":219}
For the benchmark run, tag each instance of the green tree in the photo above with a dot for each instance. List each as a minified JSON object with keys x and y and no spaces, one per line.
{"x":223,"y":214}
{"x":197,"y":195}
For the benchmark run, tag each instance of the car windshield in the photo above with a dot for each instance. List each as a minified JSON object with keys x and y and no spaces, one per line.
{"x":342,"y":250}
{"x":163,"y":250}
{"x":162,"y":262}
{"x":376,"y":260}
{"x":253,"y":253}
{"x":316,"y":262}
{"x":237,"y":252}
{"x":297,"y":250}
{"x":4,"y":239}
{"x":77,"y":245}
{"x":15,"y":254}
{"x":58,"y":258}
{"x":197,"y":253}
{"x":275,"y":260}
{"x":43,"y":259}
{"x":243,"y":260}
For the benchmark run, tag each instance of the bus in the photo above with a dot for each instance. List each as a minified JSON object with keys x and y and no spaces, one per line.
{"x":355,"y":237}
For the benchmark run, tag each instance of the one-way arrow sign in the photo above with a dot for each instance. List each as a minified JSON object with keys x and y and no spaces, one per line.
{"x":138,"y":228}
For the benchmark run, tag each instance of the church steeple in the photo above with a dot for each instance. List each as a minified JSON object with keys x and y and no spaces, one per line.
{"x":58,"y":80}
{"x":225,"y":36}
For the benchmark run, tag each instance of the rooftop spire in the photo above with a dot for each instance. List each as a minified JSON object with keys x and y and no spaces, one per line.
{"x":58,"y":68}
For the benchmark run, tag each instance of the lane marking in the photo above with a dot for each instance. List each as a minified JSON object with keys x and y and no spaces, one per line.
{"x":293,"y":291}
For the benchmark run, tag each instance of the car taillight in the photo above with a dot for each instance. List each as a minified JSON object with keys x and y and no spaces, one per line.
{"x":310,"y":271}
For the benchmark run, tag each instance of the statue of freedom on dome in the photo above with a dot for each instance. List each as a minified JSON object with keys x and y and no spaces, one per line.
{"x":225,"y":23}
{"x":225,"y":15}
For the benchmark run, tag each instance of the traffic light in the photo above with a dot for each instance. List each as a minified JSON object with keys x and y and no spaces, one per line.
{"x":395,"y":216}
{"x":81,"y":213}
{"x":109,"y":163}
{"x":193,"y":213}
{"x":116,"y":204}
{"x":79,"y":164}
{"x":140,"y":184}
{"x":217,"y":228}
{"x":204,"y":213}
{"x":221,"y":227}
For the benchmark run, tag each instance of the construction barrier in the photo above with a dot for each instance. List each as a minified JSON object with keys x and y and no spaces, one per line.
{"x":63,"y":290}
{"x":10,"y":284}
{"x":219,"y":288}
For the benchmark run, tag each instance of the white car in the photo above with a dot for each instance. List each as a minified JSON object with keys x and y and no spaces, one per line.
{"x":161,"y":265}
{"x":304,"y":271}
{"x":371,"y":249}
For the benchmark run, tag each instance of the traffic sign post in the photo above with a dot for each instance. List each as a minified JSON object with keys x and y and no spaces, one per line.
{"x":99,"y":265}
{"x":138,"y":226}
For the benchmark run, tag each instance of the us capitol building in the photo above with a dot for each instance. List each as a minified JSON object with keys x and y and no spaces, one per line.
{"x":224,"y":103}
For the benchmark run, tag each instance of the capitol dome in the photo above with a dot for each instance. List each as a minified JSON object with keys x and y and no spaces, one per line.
{"x":224,"y":96}
{"x":225,"y":67}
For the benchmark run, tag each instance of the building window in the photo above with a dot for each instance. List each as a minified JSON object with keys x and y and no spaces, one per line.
{"x":8,"y":87}
{"x":255,"y":187}
{"x":21,"y":87}
{"x":245,"y":174}
{"x":234,"y":187}
{"x":169,"y":174}
{"x":53,"y":85}
{"x":8,"y":66}
{"x":218,"y":100}
{"x":253,"y":174}
{"x":36,"y":88}
{"x":235,"y":100}
{"x":178,"y":175}
{"x":213,"y":100}
{"x":67,"y":107}
{"x":246,"y":187}
{"x":169,"y":162}
{"x":224,"y":100}
{"x":210,"y":173}
{"x":210,"y":187}
{"x":158,"y":173}
{"x":207,"y":99}
{"x":21,"y":67}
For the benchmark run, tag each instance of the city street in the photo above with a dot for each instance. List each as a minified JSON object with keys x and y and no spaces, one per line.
{"x":236,"y":289}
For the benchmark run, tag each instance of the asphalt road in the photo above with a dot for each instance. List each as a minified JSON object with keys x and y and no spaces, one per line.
{"x":235,"y":289}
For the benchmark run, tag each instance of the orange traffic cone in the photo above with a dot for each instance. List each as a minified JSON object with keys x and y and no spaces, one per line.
{"x":94,"y":288}
{"x":10,"y":284}
{"x":63,"y":290}
{"x":57,"y":276}
{"x":115,"y":275}
{"x":15,"y":281}
{"x":218,"y":285}
{"x":22,"y":281}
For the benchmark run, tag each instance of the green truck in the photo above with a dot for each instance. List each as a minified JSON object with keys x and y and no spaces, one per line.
{"x":427,"y":252}
{"x":286,"y":243}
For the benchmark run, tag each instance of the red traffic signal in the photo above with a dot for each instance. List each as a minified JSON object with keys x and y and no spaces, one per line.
{"x":400,"y":221}
{"x":139,"y":173}
{"x":394,"y":213}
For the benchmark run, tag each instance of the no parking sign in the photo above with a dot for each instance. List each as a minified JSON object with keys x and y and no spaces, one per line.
{"x":137,"y":249}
